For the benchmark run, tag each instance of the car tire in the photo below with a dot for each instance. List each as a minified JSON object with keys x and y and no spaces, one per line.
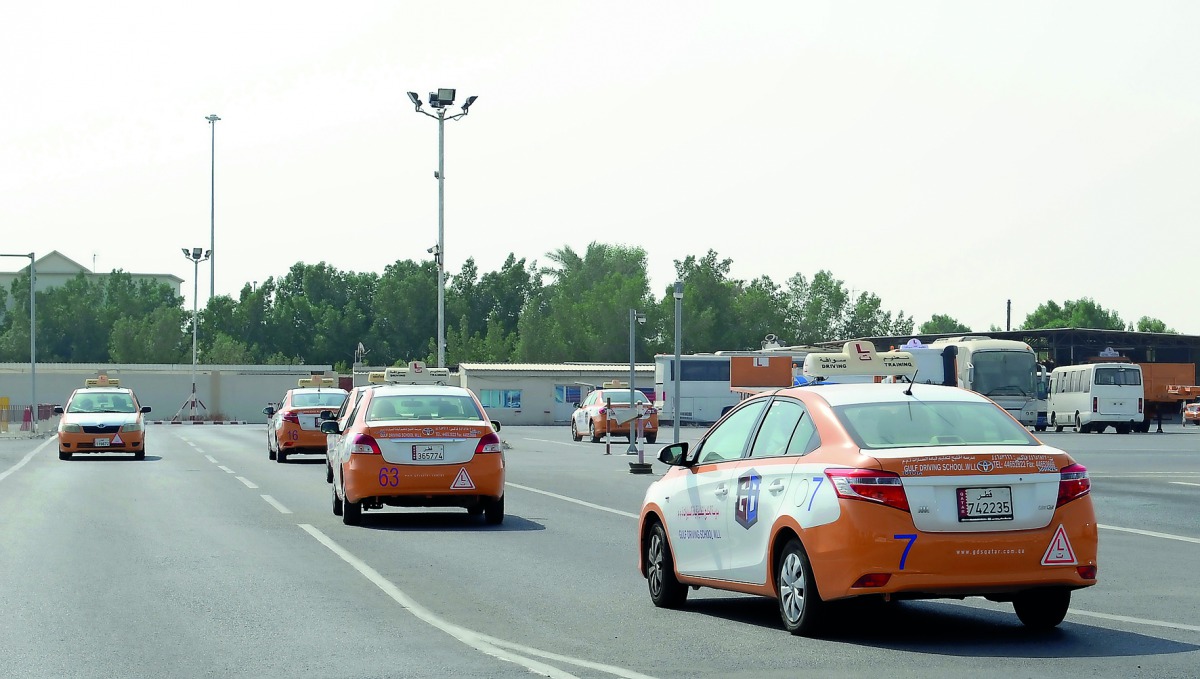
{"x":1042,"y":609}
{"x":592,"y":432}
{"x":140,"y":455}
{"x":337,"y":502}
{"x":63,"y":455}
{"x":328,"y":473}
{"x":651,"y":438}
{"x":575,"y":435}
{"x":800,"y":605}
{"x":493,"y":512}
{"x":475,"y":510}
{"x":281,"y":457}
{"x":351,"y":513}
{"x":1077,"y":427}
{"x":665,"y":589}
{"x":270,"y":450}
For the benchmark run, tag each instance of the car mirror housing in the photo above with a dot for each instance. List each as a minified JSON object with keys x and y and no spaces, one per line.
{"x":495,"y":425}
{"x":58,"y":410}
{"x":326,"y":415}
{"x":145,"y":409}
{"x":268,"y":411}
{"x":674,"y":454}
{"x":330,"y":427}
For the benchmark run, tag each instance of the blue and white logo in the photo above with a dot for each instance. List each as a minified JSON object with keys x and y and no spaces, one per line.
{"x":748,"y":488}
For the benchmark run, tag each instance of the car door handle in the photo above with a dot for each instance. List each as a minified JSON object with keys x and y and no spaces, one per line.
{"x":722,"y":490}
{"x":776,"y":487}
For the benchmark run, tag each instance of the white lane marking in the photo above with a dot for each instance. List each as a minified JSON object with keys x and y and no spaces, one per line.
{"x":275,"y":503}
{"x":189,"y":443}
{"x":248,"y":482}
{"x":227,"y":470}
{"x":1152,"y":534}
{"x":571,"y":499}
{"x":561,"y":443}
{"x":1184,"y":483}
{"x":28,"y":456}
{"x":468,"y":637}
{"x":211,"y":459}
{"x":1136,"y":621}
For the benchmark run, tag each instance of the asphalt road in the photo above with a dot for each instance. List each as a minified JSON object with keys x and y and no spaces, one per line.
{"x":207,"y":559}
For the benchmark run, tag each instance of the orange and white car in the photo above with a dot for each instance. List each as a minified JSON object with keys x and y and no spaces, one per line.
{"x":1191,"y":413}
{"x":102,"y":417}
{"x":894,"y":491}
{"x":417,"y":445}
{"x":592,"y":415}
{"x":295,"y":426}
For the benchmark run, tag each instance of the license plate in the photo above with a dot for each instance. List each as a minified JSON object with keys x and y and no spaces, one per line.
{"x":985,"y":504}
{"x":428,"y":452}
{"x":101,"y":443}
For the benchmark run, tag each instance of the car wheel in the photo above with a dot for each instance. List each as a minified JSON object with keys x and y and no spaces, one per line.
{"x":800,"y":605}
{"x":328,"y":473}
{"x":270,"y":450}
{"x":575,"y":435}
{"x":1042,"y":609}
{"x":592,"y":432}
{"x":63,"y":455}
{"x":337,"y":502}
{"x":493,"y":512}
{"x":475,"y":510}
{"x":1077,"y":427}
{"x":140,"y":455}
{"x":651,"y":438}
{"x":281,"y":457}
{"x":665,"y":590}
{"x":351,"y":513}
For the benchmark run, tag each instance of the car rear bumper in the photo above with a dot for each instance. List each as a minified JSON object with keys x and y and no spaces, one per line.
{"x":370,"y":476}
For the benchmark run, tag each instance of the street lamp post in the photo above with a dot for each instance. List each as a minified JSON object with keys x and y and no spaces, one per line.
{"x":439,"y":100}
{"x":196,"y":255}
{"x":33,"y":404}
{"x":212,"y":209}
{"x":678,"y":334}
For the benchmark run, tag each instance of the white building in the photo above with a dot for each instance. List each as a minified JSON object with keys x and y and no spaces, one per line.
{"x":55,"y":269}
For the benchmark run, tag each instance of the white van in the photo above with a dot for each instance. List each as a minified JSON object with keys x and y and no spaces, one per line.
{"x":1090,"y":397}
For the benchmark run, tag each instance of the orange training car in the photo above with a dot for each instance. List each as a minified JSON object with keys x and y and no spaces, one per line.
{"x":101,"y":417}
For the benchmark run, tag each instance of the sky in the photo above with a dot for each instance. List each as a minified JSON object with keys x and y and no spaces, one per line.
{"x":946,"y":156}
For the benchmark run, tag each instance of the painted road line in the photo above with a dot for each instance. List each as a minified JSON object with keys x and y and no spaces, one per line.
{"x":1152,"y":534}
{"x":468,"y":637}
{"x":275,"y":503}
{"x":562,"y":443}
{"x":1184,"y":483}
{"x":227,"y":470}
{"x":571,"y":499}
{"x":25,"y":460}
{"x":1136,"y":621}
{"x":248,"y":482}
{"x":211,"y":459}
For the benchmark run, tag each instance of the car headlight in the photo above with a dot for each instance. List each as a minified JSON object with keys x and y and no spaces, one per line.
{"x":70,"y":428}
{"x":132,"y":426}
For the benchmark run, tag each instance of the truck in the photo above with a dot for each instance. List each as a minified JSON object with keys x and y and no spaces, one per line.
{"x":1166,"y":385}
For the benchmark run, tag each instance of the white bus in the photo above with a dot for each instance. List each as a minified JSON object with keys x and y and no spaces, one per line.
{"x":1090,"y":397}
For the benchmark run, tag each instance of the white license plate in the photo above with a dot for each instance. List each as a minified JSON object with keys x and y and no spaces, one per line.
{"x":424,"y":452}
{"x":985,"y":504}
{"x":101,"y":443}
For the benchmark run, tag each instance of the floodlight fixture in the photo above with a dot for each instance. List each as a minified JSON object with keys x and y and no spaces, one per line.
{"x":415,"y":98}
{"x":467,"y":104}
{"x":446,"y":96}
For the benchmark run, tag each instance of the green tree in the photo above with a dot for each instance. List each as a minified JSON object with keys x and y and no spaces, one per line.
{"x":156,"y":337}
{"x":942,"y":324}
{"x":225,"y":350}
{"x":1080,"y":313}
{"x":1147,"y":324}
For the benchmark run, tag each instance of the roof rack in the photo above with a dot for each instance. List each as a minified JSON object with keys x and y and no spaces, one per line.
{"x":859,"y":358}
{"x":414,"y":373}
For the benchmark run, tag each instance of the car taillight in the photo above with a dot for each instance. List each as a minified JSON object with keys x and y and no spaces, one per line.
{"x":1073,"y":483}
{"x":1086,"y":572}
{"x":873,"y":580}
{"x":365,"y":445}
{"x":1139,"y":405}
{"x":1095,"y":404}
{"x":490,"y":443}
{"x":291,"y":417}
{"x":871,"y":485}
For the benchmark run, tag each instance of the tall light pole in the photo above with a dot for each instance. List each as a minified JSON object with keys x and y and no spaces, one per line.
{"x":33,"y":409}
{"x":678,"y":364}
{"x":196,"y":255}
{"x":439,"y":100}
{"x":212,"y":209}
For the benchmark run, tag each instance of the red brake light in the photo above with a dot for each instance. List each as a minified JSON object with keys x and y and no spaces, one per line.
{"x":1095,"y":404}
{"x":289,"y":416}
{"x":490,"y":443}
{"x":873,"y":580}
{"x":1139,"y":405}
{"x":871,"y":485}
{"x":365,"y":445}
{"x":1086,"y":572}
{"x":1073,"y":483}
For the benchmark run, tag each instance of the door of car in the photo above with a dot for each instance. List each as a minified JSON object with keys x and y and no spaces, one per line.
{"x":765,"y":481}
{"x":700,"y":523}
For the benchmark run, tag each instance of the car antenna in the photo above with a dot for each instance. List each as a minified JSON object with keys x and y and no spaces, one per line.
{"x":908,"y":391}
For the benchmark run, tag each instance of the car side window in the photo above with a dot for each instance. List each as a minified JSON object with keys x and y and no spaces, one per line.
{"x":354,"y":414}
{"x":777,"y":428}
{"x":728,"y":439}
{"x":805,"y":439}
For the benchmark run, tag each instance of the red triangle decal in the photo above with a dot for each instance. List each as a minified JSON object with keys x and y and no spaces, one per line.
{"x":1059,"y":553}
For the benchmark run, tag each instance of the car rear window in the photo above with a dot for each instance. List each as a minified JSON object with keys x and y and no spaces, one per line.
{"x":921,"y":424}
{"x":449,"y":407}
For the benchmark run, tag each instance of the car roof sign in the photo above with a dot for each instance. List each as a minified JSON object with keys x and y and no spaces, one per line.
{"x":859,"y":358}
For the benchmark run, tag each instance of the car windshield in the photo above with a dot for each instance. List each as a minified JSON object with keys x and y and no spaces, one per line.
{"x":102,"y":403}
{"x":920,"y":424}
{"x":449,"y":407}
{"x":324,"y":399}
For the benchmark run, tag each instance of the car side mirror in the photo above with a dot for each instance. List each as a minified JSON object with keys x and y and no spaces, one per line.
{"x":674,"y":454}
{"x":58,"y":410}
{"x":145,"y":409}
{"x":330,"y":427}
{"x":577,"y":404}
{"x":269,"y":411}
{"x":495,"y":425}
{"x":326,"y":415}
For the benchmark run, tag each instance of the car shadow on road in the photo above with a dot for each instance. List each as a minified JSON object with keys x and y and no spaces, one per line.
{"x":127,"y":457}
{"x":304,"y":460}
{"x":442,"y":521}
{"x":949,"y":628}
